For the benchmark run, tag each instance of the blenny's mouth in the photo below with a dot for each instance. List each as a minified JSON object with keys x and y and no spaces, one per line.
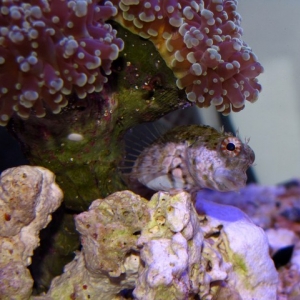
{"x":227,"y":180}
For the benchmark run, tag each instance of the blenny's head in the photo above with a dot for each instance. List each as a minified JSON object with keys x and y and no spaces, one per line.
{"x":221,"y":163}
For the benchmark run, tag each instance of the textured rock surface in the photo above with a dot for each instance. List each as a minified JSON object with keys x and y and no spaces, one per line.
{"x":109,"y":261}
{"x":28,"y":196}
{"x":170,"y":249}
{"x":78,"y":282}
{"x":109,"y":231}
{"x":277,"y":210}
{"x":242,"y":244}
{"x":167,"y":249}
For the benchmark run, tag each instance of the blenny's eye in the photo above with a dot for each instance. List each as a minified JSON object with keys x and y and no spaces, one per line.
{"x":231,"y":146}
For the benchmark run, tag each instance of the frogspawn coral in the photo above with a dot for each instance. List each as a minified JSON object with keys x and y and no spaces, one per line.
{"x":201,"y":42}
{"x":49,"y":47}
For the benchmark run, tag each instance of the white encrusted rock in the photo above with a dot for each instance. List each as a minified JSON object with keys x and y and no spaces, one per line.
{"x":28,"y":197}
{"x":170,"y":245}
{"x":178,"y":260}
{"x":166,"y":249}
{"x":216,"y":253}
{"x":242,"y":244}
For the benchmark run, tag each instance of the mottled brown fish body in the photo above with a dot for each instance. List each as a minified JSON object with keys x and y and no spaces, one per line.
{"x":193,"y":157}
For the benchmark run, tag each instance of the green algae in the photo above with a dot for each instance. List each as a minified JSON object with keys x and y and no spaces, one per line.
{"x":141,"y":88}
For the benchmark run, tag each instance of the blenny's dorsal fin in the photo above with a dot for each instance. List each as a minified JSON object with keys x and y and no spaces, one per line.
{"x":137,"y":139}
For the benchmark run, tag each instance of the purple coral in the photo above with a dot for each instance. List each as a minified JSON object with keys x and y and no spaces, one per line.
{"x":201,"y":42}
{"x":49,"y":47}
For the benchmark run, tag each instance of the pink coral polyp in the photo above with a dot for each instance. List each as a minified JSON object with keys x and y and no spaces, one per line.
{"x":50,"y":47}
{"x":201,"y":42}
